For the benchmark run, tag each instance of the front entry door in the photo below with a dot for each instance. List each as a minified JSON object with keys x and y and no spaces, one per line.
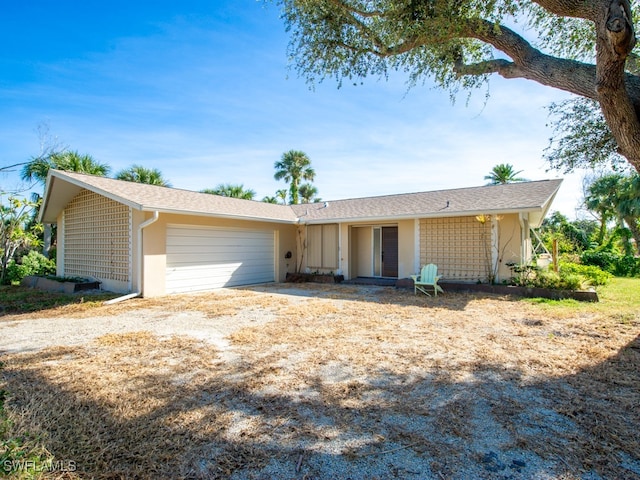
{"x":385,"y":252}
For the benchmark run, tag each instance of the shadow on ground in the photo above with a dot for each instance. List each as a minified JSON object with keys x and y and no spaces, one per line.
{"x":194,"y":416}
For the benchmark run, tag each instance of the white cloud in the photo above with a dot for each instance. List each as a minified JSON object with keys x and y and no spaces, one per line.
{"x":207,"y":101}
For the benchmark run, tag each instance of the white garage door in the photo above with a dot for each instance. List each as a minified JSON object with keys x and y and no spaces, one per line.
{"x":204,"y":258}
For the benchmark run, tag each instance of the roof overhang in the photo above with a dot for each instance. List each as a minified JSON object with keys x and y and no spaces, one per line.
{"x":534,"y":213}
{"x":60,"y":190}
{"x":537,"y":216}
{"x":219,"y":215}
{"x":53,"y":204}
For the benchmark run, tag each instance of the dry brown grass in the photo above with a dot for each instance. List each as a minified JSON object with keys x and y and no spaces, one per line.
{"x":348,"y":373}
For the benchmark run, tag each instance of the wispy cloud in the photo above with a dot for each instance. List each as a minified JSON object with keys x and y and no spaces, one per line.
{"x":208,"y":99}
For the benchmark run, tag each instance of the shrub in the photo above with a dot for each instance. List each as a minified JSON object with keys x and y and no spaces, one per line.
{"x":604,"y":260}
{"x":569,"y":258}
{"x":566,"y":279}
{"x":33,"y":263}
{"x":559,"y":281}
{"x":627,"y":266}
{"x":615,"y":263}
{"x":595,"y":275}
{"x":523,"y":275}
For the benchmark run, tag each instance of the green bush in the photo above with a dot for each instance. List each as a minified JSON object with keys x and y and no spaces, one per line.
{"x":559,"y":281}
{"x":595,"y":275}
{"x":627,"y":266}
{"x":566,"y":279}
{"x":33,"y":263}
{"x":603,"y":260}
{"x":614,"y":263}
{"x":523,"y":275}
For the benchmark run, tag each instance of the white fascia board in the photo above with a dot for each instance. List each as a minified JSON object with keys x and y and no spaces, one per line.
{"x":393,"y":218}
{"x":100,"y":191}
{"x":218,"y":215}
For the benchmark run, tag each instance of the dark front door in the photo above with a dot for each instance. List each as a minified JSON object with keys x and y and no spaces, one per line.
{"x":389,"y":251}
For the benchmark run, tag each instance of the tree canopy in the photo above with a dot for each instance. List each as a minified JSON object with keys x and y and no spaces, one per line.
{"x":309,"y":193}
{"x":15,"y":231}
{"x":293,"y":167}
{"x":581,"y":137}
{"x":140,"y":174}
{"x":231,"y":190}
{"x":38,"y":168}
{"x":616,"y":197}
{"x":503,"y":173}
{"x":579,"y":46}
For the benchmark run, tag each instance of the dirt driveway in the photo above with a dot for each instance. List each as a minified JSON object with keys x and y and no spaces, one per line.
{"x":316,"y":382}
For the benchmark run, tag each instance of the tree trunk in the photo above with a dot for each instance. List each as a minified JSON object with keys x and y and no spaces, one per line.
{"x":617,"y":92}
{"x":46,"y":243}
{"x":632,"y":224}
{"x":615,"y":38}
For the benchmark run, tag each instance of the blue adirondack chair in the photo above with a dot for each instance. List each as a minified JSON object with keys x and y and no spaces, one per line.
{"x":428,"y":278}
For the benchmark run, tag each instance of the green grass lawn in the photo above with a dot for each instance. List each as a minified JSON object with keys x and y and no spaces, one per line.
{"x":620,"y":298}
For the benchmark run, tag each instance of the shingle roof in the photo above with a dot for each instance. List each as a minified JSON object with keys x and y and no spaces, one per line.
{"x":512,"y":197}
{"x":515,"y":197}
{"x":169,"y":200}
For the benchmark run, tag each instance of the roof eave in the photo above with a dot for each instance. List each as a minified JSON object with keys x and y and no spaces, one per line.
{"x":537,"y":222}
{"x":148,"y":208}
{"x":41,"y":210}
{"x":51,"y":185}
{"x":445,"y":214}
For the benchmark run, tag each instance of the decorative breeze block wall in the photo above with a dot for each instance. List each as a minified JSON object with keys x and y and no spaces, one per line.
{"x":459,"y":246}
{"x":97,"y":238}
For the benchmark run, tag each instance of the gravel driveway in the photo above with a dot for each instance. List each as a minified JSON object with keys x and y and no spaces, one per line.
{"x":315,"y":382}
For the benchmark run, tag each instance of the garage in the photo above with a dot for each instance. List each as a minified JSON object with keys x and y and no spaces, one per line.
{"x":204,"y":258}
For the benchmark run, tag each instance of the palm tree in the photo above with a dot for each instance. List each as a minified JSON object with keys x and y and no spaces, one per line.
{"x":293,"y":167}
{"x":140,"y":174}
{"x":230,"y":190}
{"x":503,"y":173}
{"x":600,"y":198}
{"x":308,"y":193}
{"x":629,"y":206}
{"x":616,"y":196}
{"x":71,"y":161}
{"x":38,"y":169}
{"x":281,"y":195}
{"x":270,"y":199}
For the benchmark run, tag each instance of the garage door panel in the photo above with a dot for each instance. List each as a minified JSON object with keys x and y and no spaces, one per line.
{"x":186,"y":280}
{"x":218,"y":258}
{"x":220,"y":271}
{"x":198,"y":241}
{"x":192,"y":235}
{"x":204,"y":258}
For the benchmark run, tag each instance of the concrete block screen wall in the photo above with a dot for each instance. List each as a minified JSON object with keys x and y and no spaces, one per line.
{"x":458,"y":245}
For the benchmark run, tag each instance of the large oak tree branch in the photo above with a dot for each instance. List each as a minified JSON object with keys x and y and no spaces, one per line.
{"x":424,"y":31}
{"x":569,"y":8}
{"x":617,"y":92}
{"x":614,"y":41}
{"x":530,"y":63}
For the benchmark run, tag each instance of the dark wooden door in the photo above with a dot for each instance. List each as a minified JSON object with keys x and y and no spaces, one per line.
{"x":389,"y":251}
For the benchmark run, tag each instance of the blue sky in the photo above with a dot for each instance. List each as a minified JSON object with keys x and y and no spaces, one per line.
{"x":202,"y":91}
